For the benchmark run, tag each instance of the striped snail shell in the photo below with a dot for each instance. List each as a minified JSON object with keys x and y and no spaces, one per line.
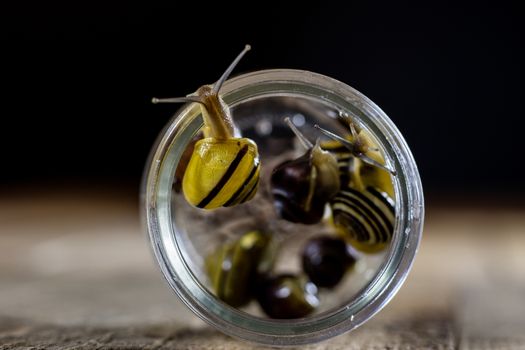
{"x":233,"y":268}
{"x":366,"y":218}
{"x":222,"y":173}
{"x":302,"y":187}
{"x":360,"y":162}
{"x":223,"y":169}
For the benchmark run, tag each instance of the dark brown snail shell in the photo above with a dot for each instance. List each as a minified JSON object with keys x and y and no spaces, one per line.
{"x":287,"y":296}
{"x":301,"y":187}
{"x":326,"y":260}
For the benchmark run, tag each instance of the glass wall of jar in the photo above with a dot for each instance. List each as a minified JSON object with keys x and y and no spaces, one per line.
{"x":255,"y":270}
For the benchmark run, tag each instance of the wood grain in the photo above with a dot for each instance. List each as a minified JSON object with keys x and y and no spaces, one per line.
{"x":76,"y":273}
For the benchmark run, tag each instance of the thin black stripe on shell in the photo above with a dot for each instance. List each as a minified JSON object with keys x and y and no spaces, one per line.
{"x":366,"y":214}
{"x":370,"y":216}
{"x":388,"y":223}
{"x":359,"y":230}
{"x":246,"y":182}
{"x":225,"y":177}
{"x":254,"y":187}
{"x":343,"y":167}
{"x":341,"y":163}
{"x":387,"y":201}
{"x":343,"y":158}
{"x":336,"y":149}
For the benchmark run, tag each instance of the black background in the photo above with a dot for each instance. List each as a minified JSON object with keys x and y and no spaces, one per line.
{"x":77,"y":79}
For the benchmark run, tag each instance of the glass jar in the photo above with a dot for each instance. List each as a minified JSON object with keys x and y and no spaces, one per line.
{"x":258,"y":101}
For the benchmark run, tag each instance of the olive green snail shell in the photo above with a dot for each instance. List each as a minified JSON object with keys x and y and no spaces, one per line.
{"x":234,"y":267}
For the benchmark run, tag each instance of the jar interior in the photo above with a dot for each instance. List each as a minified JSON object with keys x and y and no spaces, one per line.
{"x":202,"y":232}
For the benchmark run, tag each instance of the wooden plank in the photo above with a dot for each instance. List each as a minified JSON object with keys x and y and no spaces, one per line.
{"x":77,"y":274}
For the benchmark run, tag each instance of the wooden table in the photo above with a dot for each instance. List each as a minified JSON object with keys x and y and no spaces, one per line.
{"x":77,"y":273}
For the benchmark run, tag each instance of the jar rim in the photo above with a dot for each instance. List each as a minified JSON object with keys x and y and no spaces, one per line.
{"x":156,"y":209}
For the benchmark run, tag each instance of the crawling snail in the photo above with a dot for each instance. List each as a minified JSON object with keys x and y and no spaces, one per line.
{"x":223,"y":169}
{"x":302,"y":187}
{"x":363,"y":211}
{"x":235,"y":267}
{"x":360,"y":162}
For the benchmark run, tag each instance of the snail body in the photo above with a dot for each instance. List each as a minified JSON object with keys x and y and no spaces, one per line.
{"x":223,"y":169}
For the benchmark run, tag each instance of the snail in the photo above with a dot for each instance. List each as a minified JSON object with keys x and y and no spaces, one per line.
{"x":326,"y":259}
{"x":223,"y":169}
{"x":363,"y":211}
{"x":235,"y":267}
{"x":302,"y":187}
{"x":365,"y":218}
{"x":360,"y":162}
{"x":287,"y":296}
